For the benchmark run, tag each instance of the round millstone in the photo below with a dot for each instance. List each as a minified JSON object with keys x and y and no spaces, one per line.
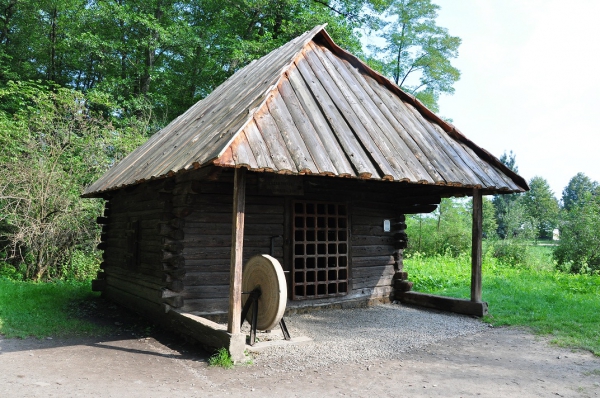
{"x":265,"y":272}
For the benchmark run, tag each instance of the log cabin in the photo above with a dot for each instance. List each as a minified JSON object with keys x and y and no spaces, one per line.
{"x":307,"y":155}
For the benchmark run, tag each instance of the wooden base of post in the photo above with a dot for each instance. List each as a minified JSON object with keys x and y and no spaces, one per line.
{"x":459,"y":306}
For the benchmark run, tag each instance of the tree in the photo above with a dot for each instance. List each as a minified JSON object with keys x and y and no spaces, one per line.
{"x":417,"y":52}
{"x":445,"y":231}
{"x":579,"y":246}
{"x":509,"y":211}
{"x":578,"y":189}
{"x":490,"y":226}
{"x":541,"y":206}
{"x":56,"y":146}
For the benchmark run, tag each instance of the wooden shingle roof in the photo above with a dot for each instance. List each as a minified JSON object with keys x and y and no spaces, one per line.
{"x":310,"y":107}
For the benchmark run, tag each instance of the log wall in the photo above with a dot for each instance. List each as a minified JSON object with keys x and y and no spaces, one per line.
{"x":167,"y":244}
{"x":142,"y":264}
{"x":376,"y":256}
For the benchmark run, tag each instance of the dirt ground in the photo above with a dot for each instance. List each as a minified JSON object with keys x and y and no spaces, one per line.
{"x":138,"y":360}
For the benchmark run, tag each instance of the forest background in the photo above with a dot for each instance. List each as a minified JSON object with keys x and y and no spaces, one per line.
{"x":84,"y":82}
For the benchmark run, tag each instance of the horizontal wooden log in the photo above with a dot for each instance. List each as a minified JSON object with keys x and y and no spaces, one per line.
{"x":225,"y":241}
{"x":136,"y":278}
{"x":196,"y":278}
{"x":368,"y":229}
{"x":175,"y":302}
{"x":167,"y":293}
{"x":366,"y":240}
{"x":154,"y":276}
{"x":175,"y":285}
{"x":137,"y":304}
{"x":371,"y":250}
{"x":102,"y":220}
{"x":459,"y":306}
{"x":135,"y":289}
{"x":372,"y":281}
{"x":222,"y":228}
{"x":175,"y":261}
{"x":373,"y":261}
{"x":207,"y":265}
{"x":173,"y":246}
{"x":206,"y":306}
{"x":174,"y":273}
{"x":378,"y":291}
{"x":377,"y":271}
{"x":206,"y":292}
{"x":402,"y":286}
{"x":224,"y":252}
{"x":175,"y":234}
{"x":255,"y":218}
{"x":209,"y":334}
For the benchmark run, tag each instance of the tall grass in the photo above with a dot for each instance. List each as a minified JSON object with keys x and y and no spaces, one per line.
{"x":535,"y":294}
{"x":43,"y":309}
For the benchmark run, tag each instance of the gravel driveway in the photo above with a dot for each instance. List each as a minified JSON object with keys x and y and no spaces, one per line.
{"x":382,"y":351}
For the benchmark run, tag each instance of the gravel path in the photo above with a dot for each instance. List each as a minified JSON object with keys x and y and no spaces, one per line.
{"x":381,"y":332}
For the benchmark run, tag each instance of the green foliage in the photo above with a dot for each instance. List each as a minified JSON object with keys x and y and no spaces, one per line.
{"x":577,"y":190}
{"x":445,"y":231}
{"x":510,"y":213}
{"x":541,"y":206}
{"x":221,"y":358}
{"x":578,"y":250}
{"x":42,"y":309}
{"x":510,"y":252}
{"x":56,"y":145}
{"x":532,"y":294}
{"x":171,"y":53}
{"x":417,"y":52}
{"x":489,"y":223}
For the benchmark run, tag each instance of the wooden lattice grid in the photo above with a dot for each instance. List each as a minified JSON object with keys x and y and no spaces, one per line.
{"x":320,"y":250}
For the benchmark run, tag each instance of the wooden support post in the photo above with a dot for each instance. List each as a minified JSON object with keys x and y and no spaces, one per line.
{"x":237,"y":243}
{"x":476,"y":249}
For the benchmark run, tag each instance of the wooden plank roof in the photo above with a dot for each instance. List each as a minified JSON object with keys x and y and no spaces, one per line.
{"x":310,"y":107}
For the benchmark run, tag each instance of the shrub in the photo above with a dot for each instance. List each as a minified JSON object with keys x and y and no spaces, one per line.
{"x":578,"y":250}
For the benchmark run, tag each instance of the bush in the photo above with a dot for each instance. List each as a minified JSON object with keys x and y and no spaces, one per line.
{"x":447,"y":231}
{"x":510,"y":252}
{"x":578,"y":250}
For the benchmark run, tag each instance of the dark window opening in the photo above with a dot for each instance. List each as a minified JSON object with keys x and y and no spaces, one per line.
{"x":320,"y":256}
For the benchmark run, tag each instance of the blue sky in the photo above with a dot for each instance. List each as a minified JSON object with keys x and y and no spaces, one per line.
{"x":530,"y":82}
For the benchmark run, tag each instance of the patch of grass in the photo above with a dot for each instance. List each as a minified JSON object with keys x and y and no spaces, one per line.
{"x":43,"y":309}
{"x":221,"y":358}
{"x":564,"y":306}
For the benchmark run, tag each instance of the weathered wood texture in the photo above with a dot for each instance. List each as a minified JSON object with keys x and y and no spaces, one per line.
{"x":142,"y":259}
{"x":375,"y":255}
{"x":476,"y":247}
{"x":237,"y":250}
{"x":460,"y":306}
{"x":310,"y":107}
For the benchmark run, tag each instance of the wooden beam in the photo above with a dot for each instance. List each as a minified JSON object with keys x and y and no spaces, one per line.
{"x":476,"y":249}
{"x":451,"y":304}
{"x":237,"y":244}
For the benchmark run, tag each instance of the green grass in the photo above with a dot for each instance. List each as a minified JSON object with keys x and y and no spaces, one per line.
{"x":221,"y":358}
{"x":564,"y":306}
{"x":43,"y":309}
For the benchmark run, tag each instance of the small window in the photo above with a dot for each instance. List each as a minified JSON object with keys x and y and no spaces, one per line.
{"x":320,"y":256}
{"x":133,"y":243}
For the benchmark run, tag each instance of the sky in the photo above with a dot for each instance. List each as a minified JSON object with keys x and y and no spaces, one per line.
{"x":530,"y":83}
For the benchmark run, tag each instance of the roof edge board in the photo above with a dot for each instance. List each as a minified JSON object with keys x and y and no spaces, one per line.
{"x":426,"y":112}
